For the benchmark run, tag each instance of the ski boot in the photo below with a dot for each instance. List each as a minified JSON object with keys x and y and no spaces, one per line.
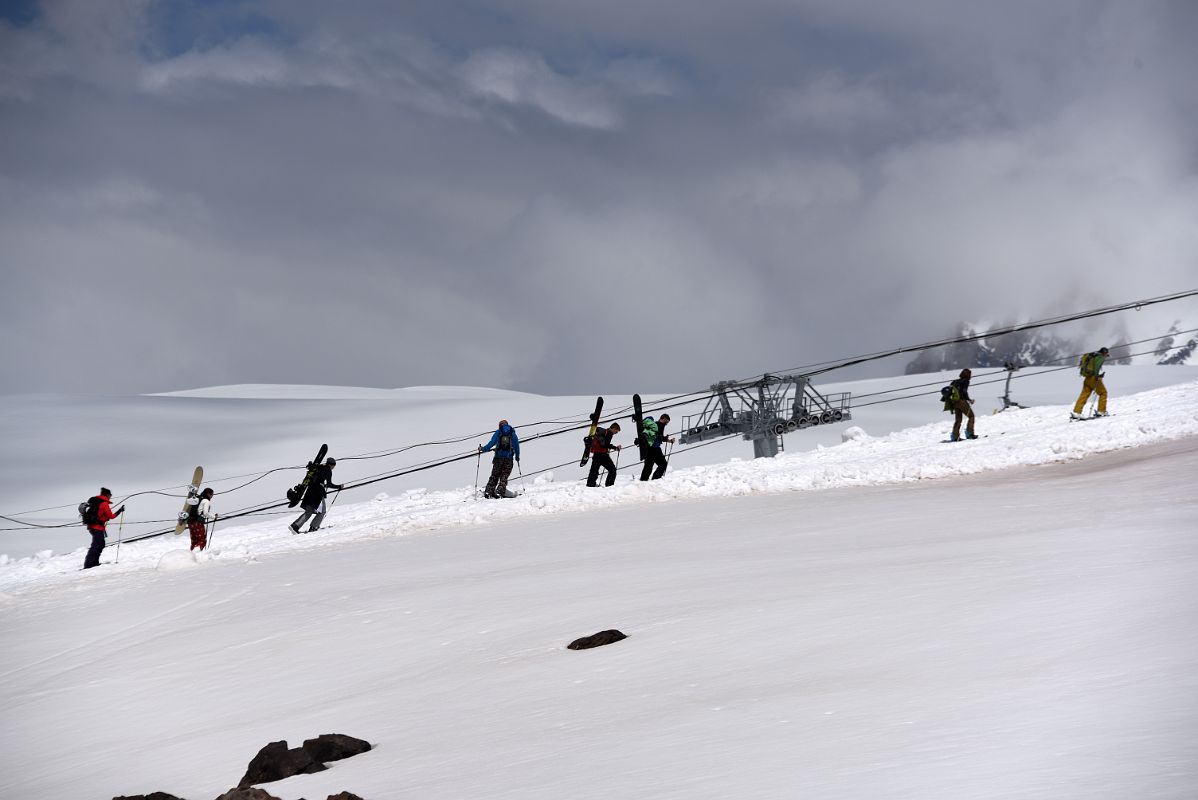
{"x":971,"y":436}
{"x":1101,"y":414}
{"x":1075,"y":415}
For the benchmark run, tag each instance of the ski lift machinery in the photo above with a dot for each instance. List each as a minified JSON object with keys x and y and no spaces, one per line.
{"x":761,"y":411}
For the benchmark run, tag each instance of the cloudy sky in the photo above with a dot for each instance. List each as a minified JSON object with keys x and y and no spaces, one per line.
{"x":567,"y":197}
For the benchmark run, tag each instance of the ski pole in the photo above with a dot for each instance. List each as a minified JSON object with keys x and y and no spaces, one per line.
{"x":477,"y":467}
{"x":211,"y":532}
{"x":520,"y":472}
{"x":119,"y":529}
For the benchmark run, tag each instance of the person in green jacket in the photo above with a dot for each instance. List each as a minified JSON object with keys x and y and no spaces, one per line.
{"x":1091,"y":371}
{"x":651,"y":454}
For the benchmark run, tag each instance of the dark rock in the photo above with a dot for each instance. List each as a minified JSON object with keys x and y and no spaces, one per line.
{"x":150,"y":796}
{"x":251,"y":793}
{"x":335,"y":746}
{"x":344,"y":796}
{"x":596,"y":640}
{"x":275,"y":762}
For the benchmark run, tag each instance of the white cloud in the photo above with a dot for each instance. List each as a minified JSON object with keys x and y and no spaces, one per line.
{"x":523,"y":78}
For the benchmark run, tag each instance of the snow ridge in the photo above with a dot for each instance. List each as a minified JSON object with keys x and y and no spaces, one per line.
{"x":1015,"y":438}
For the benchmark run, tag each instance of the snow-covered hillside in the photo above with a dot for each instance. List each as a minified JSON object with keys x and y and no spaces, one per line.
{"x":1017,"y":437}
{"x":60,"y":450}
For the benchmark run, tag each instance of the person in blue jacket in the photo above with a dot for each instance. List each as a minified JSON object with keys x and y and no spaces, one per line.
{"x":506,"y":445}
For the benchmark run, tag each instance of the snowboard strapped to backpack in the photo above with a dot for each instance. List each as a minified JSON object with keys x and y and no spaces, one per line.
{"x":297,"y":492}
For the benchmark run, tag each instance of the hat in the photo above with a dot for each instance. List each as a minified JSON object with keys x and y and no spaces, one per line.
{"x":332,"y":462}
{"x":105,"y":492}
{"x":1104,"y":351}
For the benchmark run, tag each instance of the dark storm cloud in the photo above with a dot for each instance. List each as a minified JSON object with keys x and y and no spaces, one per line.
{"x":567,"y":196}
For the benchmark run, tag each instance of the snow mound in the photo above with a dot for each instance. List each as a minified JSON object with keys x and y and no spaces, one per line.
{"x":174,"y":560}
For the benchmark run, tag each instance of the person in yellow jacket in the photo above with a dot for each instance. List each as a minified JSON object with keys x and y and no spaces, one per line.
{"x":1091,"y":371}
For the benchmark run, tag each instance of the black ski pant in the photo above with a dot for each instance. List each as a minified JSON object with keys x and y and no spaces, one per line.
{"x":93,"y":552}
{"x":319,"y":511}
{"x":501,"y":470}
{"x":653,"y":458}
{"x":601,"y":460}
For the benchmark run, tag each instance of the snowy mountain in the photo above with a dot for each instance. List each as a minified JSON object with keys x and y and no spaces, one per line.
{"x":881,"y":615}
{"x":1051,"y":347}
{"x":1175,"y":349}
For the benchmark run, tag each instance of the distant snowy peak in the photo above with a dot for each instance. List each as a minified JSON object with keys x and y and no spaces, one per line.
{"x":1044,"y":347}
{"x":1176,"y":349}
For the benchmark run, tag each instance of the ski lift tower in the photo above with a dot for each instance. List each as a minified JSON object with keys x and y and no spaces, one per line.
{"x":1007,"y":402}
{"x":761,"y":411}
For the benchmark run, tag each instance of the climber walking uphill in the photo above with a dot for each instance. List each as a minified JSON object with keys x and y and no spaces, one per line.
{"x":1091,"y":372}
{"x":654,"y":438}
{"x":506,"y":445}
{"x":97,"y":512}
{"x":198,"y":516}
{"x":957,"y":400}
{"x":601,"y":448}
{"x":313,"y":500}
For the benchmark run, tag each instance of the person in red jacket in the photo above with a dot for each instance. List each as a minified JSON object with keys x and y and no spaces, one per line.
{"x":600,"y":446}
{"x":96,"y":525}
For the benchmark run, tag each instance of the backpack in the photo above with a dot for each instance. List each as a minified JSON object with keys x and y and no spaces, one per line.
{"x":90,"y":511}
{"x":949,"y":395}
{"x":1087,"y":364}
{"x":649,"y":427}
{"x":505,"y":441}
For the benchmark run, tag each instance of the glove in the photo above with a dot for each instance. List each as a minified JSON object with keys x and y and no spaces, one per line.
{"x":339,"y":488}
{"x":120,"y":511}
{"x":480,"y":448}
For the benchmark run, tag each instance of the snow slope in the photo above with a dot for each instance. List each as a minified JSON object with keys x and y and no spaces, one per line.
{"x":60,"y":450}
{"x":1022,"y":633}
{"x":1020,"y":437}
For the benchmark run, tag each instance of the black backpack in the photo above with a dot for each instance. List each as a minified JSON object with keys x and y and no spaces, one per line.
{"x":505,"y":442}
{"x":90,"y":511}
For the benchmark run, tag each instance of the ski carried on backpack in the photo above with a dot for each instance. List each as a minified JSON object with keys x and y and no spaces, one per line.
{"x":586,"y":442}
{"x":638,"y":419}
{"x":296,"y":493}
{"x":193,"y":492}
